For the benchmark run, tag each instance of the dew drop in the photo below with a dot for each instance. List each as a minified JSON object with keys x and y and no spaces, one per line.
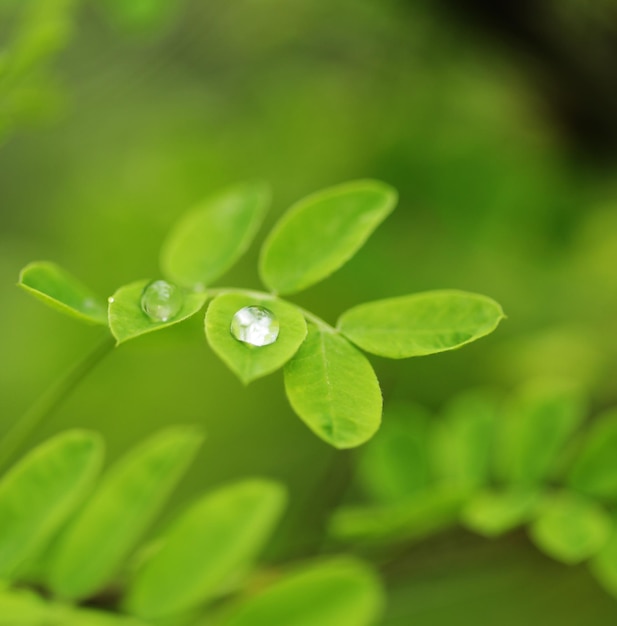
{"x":255,"y":326}
{"x":161,"y":301}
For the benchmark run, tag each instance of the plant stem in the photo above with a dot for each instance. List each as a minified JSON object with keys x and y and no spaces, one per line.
{"x":50,"y":401}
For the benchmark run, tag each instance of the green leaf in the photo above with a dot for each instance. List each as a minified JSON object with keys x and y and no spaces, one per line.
{"x":341,"y":592}
{"x":251,"y":362}
{"x":207,"y":241}
{"x":217,"y":538}
{"x":334,"y":390}
{"x":128,"y":499}
{"x":38,"y":494}
{"x":595,"y":469}
{"x":23,"y":608}
{"x":322,"y":232}
{"x":57,"y":288}
{"x":570,"y":528}
{"x":537,"y":423}
{"x":420,"y":324}
{"x":604,"y":564}
{"x":492,"y":513}
{"x":395,"y":464}
{"x":127,"y":320}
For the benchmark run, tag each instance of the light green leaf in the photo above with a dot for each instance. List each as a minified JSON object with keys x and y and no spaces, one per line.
{"x":595,"y":469}
{"x":604,"y":564}
{"x":322,"y":232}
{"x":127,"y":319}
{"x":38,"y":494}
{"x":492,"y":513}
{"x":463,"y":440}
{"x":334,"y":390}
{"x":57,"y":288}
{"x":537,"y":423}
{"x":341,"y":592}
{"x":420,"y":324}
{"x":395,"y":464}
{"x":128,"y":499}
{"x":207,"y":241}
{"x":19,"y":607}
{"x":570,"y":528}
{"x":219,"y":537}
{"x":246,"y":361}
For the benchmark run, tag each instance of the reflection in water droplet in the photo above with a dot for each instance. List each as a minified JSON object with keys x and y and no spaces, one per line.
{"x":255,"y":325}
{"x":161,"y":301}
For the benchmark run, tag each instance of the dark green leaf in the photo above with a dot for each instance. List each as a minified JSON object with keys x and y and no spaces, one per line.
{"x":334,"y":390}
{"x":604,"y":564}
{"x":322,"y":232}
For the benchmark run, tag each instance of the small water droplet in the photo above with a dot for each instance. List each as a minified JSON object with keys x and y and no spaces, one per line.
{"x":161,"y":301}
{"x":255,"y":326}
{"x":110,"y":300}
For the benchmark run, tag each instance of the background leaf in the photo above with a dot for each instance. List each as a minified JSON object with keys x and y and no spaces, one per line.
{"x":420,"y":324}
{"x":604,"y":565}
{"x":127,"y":319}
{"x":207,"y":241}
{"x":343,"y":592}
{"x":322,"y":232}
{"x":38,"y":494}
{"x":57,"y":288}
{"x":129,"y":498}
{"x":249,"y":362}
{"x":334,"y":390}
{"x":217,"y":538}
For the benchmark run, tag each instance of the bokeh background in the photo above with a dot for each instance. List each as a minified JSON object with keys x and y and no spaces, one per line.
{"x":497,"y":124}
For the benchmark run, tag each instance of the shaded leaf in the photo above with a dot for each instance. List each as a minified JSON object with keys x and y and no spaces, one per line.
{"x":128,"y":499}
{"x":604,"y":564}
{"x":207,"y":241}
{"x":322,"y":232}
{"x":251,"y":362}
{"x":334,"y":390}
{"x":217,"y":538}
{"x":127,"y":320}
{"x":341,"y":592}
{"x":39,"y":493}
{"x":57,"y":288}
{"x":420,"y":324}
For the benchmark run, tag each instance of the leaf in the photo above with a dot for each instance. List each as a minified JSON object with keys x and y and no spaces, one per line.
{"x":127,"y":320}
{"x":320,"y":233}
{"x":251,"y":362}
{"x":38,"y":494}
{"x":420,"y":324}
{"x":207,"y":241}
{"x":341,"y":592}
{"x":395,"y":464}
{"x":493,"y":513}
{"x":604,"y":564}
{"x":128,"y":499}
{"x":57,"y":288}
{"x":595,"y":470}
{"x":217,"y":538}
{"x":570,"y":528}
{"x":23,"y":608}
{"x":538,"y":422}
{"x":334,"y":390}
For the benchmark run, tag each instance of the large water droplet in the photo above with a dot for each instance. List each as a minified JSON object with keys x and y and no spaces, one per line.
{"x":255,"y":325}
{"x":161,"y":301}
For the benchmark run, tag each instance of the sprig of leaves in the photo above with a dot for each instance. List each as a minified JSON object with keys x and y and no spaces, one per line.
{"x":329,"y":382}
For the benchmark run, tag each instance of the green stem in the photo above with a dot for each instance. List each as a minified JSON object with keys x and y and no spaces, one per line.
{"x":50,"y":401}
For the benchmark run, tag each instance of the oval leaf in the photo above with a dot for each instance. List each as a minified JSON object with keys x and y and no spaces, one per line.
{"x":126,"y":502}
{"x":342,"y":592}
{"x":420,"y":324}
{"x":334,"y":390}
{"x":322,"y":232}
{"x":127,"y":320}
{"x":219,"y":537}
{"x":570,"y":528}
{"x":38,"y":494}
{"x":210,"y":239}
{"x":57,"y":288}
{"x":251,"y":362}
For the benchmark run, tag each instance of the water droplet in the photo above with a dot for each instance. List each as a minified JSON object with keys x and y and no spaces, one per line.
{"x":255,"y":325}
{"x":161,"y":301}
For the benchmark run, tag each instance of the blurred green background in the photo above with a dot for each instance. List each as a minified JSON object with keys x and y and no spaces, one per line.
{"x":129,"y":113}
